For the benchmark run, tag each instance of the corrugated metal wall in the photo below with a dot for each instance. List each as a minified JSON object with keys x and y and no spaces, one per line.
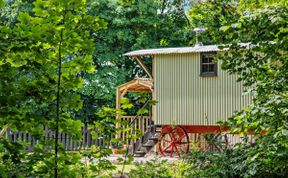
{"x":185,"y":98}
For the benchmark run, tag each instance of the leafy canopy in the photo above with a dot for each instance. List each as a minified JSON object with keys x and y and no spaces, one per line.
{"x":46,"y":51}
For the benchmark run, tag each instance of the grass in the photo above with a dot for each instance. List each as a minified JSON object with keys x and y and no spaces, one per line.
{"x":127,"y":168}
{"x":117,"y":171}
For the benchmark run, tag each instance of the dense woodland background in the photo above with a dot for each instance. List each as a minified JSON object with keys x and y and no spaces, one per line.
{"x":61,"y":61}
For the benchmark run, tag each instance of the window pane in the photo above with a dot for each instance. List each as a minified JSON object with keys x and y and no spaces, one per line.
{"x":205,"y":59}
{"x":205,"y":68}
{"x":208,"y":65}
{"x":211,"y":68}
{"x":210,"y":60}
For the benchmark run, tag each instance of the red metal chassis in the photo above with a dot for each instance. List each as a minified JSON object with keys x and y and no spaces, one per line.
{"x":201,"y":128}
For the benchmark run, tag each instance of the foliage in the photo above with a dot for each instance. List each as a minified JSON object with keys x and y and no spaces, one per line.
{"x":229,"y":163}
{"x":261,"y":65}
{"x":49,"y":49}
{"x":44,"y":53}
{"x":108,"y":126}
{"x":130,"y":26}
{"x":195,"y":164}
{"x":213,"y":15}
{"x":211,"y":164}
{"x":152,"y":168}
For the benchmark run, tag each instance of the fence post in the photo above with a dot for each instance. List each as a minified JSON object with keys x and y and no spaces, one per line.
{"x":87,"y":134}
{"x":8,"y":134}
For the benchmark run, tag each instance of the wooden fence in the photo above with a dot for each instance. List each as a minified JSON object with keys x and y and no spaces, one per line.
{"x":68,"y":142}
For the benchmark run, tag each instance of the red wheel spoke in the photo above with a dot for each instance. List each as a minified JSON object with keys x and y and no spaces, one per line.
{"x":166,"y":140}
{"x":172,"y":150}
{"x":180,"y":138}
{"x":174,"y":140}
{"x":167,"y":147}
{"x":183,"y":147}
{"x":171,"y":136}
{"x":177,"y":151}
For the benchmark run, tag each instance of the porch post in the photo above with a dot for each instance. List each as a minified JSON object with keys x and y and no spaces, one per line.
{"x":118,"y":106}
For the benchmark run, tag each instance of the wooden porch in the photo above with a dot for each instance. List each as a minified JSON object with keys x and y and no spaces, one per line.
{"x":137,"y":85}
{"x":141,"y":123}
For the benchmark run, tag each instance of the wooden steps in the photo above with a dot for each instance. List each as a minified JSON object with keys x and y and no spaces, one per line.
{"x":144,"y":144}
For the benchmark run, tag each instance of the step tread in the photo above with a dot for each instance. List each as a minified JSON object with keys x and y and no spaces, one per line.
{"x":157,"y":134}
{"x":148,"y":145}
{"x":138,"y":155}
{"x":158,"y":129}
{"x":140,"y":152}
{"x":153,"y":138}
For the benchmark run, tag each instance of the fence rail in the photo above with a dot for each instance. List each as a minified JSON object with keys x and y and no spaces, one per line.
{"x":68,"y":142}
{"x":141,"y":123}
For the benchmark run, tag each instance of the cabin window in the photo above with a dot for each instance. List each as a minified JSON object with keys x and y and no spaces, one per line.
{"x":208,"y":65}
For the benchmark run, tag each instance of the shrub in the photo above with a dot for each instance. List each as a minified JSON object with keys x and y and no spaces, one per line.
{"x":153,"y":168}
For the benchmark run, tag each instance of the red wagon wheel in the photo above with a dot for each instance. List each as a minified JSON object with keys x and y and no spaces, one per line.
{"x":213,"y":141}
{"x":174,"y":141}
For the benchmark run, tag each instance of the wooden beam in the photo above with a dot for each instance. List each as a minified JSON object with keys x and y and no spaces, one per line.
{"x":153,"y":89}
{"x":153,"y":66}
{"x":124,"y":87}
{"x":137,"y":84}
{"x":124,"y":93}
{"x":146,"y":85}
{"x":118,"y":97}
{"x":138,"y":58}
{"x":140,"y":90}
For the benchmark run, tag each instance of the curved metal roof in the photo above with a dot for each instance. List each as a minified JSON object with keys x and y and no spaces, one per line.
{"x":195,"y":49}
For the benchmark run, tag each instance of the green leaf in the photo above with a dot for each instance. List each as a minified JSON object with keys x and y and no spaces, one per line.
{"x":224,"y":28}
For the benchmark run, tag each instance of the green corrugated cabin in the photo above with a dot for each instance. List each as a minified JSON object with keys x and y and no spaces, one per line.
{"x":192,"y":92}
{"x":188,"y":84}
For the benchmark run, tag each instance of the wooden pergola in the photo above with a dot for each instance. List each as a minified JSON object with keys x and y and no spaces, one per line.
{"x":137,"y":85}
